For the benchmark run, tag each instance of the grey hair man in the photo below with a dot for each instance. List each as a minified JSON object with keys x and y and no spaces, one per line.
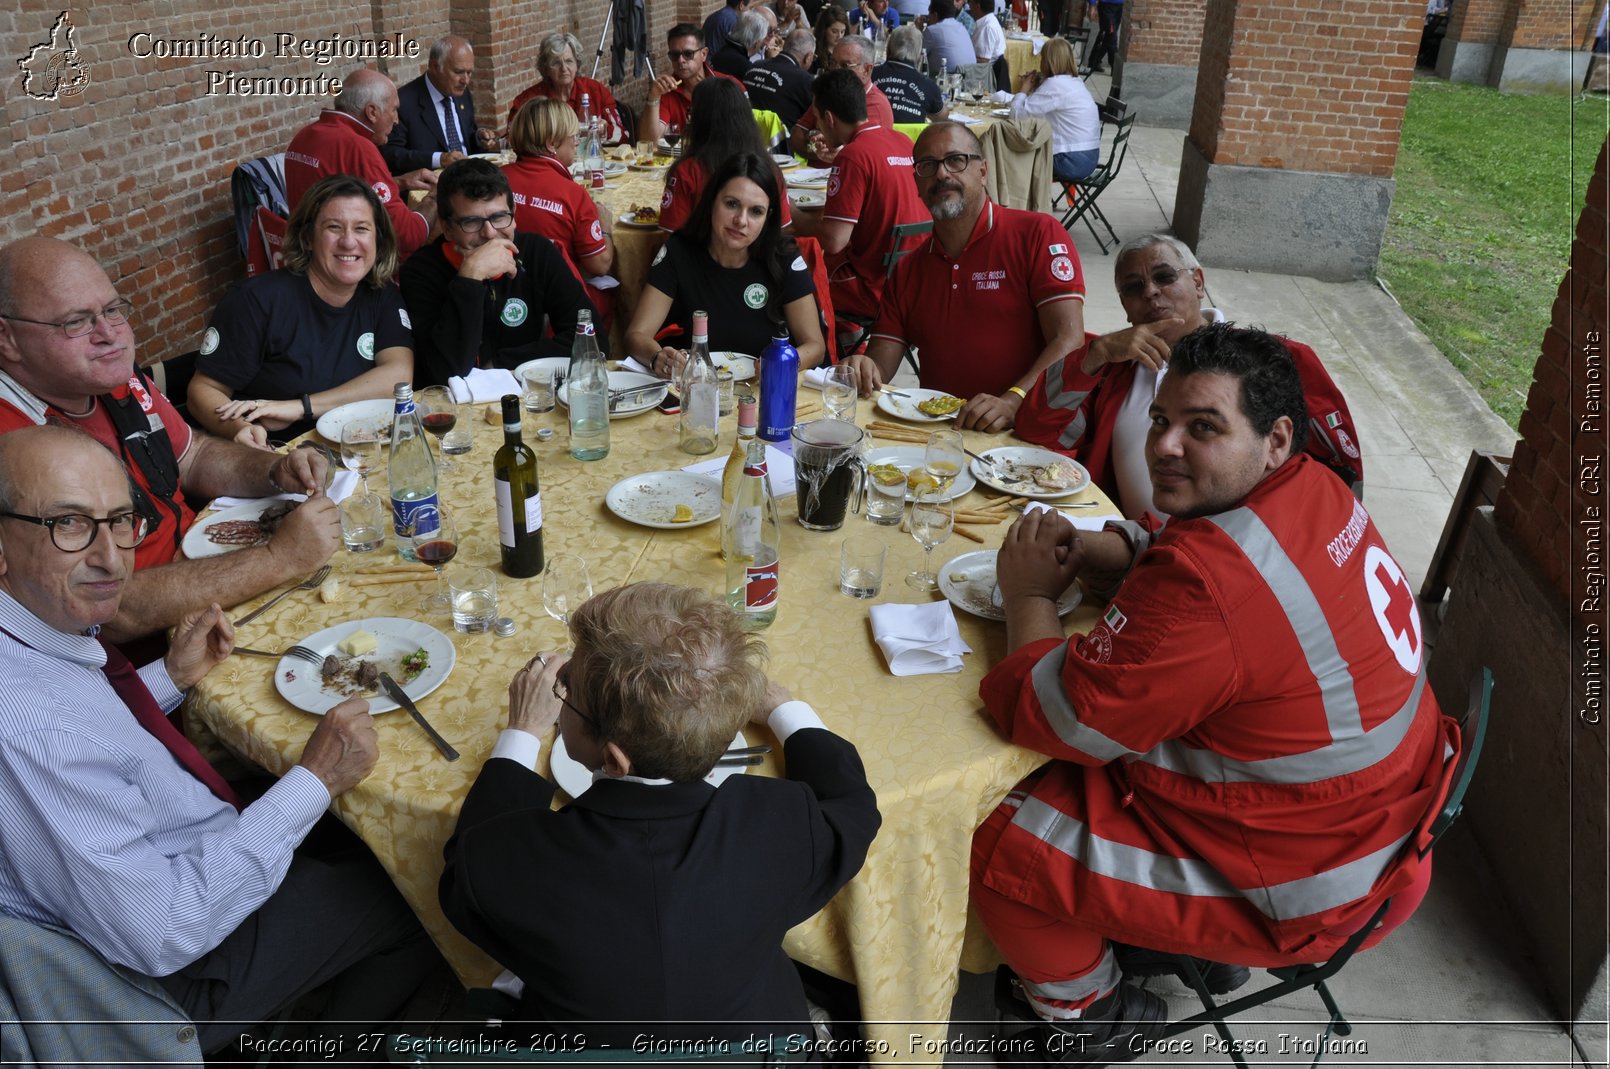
{"x":436,"y":112}
{"x":913,"y":95}
{"x":782,"y":84}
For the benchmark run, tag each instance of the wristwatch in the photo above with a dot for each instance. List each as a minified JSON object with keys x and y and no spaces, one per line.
{"x":307,"y":407}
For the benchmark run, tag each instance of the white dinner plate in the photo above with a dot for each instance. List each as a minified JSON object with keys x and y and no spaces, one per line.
{"x":197,"y":545}
{"x":906,"y":407}
{"x":490,"y":157}
{"x":628,"y":219}
{"x":574,"y":777}
{"x":625,"y":380}
{"x":1013,"y":469}
{"x":807,"y":199}
{"x":559,"y":365}
{"x":743,"y":366}
{"x":379,"y":409}
{"x":651,"y":499}
{"x":666,"y":166}
{"x":299,"y":682}
{"x":969,"y":582}
{"x":1001,"y":113}
{"x":809,"y":177}
{"x":908,"y":458}
{"x":785,"y":162}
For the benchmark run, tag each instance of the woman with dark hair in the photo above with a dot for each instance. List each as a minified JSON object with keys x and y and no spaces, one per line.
{"x":721,"y":124}
{"x":732,"y":260}
{"x":831,"y":25}
{"x":325,"y":330}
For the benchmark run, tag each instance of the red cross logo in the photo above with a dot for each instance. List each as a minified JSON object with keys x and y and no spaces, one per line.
{"x":1393,"y":605}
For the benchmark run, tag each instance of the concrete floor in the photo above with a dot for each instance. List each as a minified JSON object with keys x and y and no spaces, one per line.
{"x":1454,"y":985}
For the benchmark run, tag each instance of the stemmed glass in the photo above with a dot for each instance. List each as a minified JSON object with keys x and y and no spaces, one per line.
{"x":944,"y":456}
{"x":933,"y":517}
{"x":434,"y":536}
{"x":360,"y":448}
{"x":838,"y":391}
{"x":439,"y":413}
{"x":565,"y":585}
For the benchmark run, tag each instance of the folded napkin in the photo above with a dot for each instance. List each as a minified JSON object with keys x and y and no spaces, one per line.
{"x":779,"y":470}
{"x":483,"y":384}
{"x":970,"y":120}
{"x":815,"y":377}
{"x":340,"y":488}
{"x":801,"y":175}
{"x":1081,"y":520}
{"x":631,"y":363}
{"x":603,"y":282}
{"x":919,"y":639}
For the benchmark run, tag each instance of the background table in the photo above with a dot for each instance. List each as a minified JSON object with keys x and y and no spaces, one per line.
{"x":900,"y":929}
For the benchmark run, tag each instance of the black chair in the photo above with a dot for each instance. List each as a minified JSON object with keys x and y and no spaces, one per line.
{"x":1002,"y":72}
{"x":1473,"y":732}
{"x":897,"y":238}
{"x":1077,"y":200}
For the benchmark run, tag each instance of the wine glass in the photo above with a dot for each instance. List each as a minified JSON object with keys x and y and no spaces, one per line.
{"x":933,"y":517}
{"x":565,"y":585}
{"x":439,"y":413}
{"x":360,"y":448}
{"x":434,"y":536}
{"x":944,"y":456}
{"x":838,"y":391}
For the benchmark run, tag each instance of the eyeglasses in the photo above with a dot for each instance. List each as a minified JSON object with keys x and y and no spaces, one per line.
{"x":1162,"y":278}
{"x":955,"y":163}
{"x":472,"y":224}
{"x":76,"y":326}
{"x":562,"y":695}
{"x":687,"y":53}
{"x":74,"y":532}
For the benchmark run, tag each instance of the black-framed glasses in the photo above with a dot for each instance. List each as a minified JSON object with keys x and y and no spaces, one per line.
{"x":1162,"y":278}
{"x":76,"y":326}
{"x":472,"y":224}
{"x":561,"y":690}
{"x":955,"y":163}
{"x":74,"y":532}
{"x":675,"y":54}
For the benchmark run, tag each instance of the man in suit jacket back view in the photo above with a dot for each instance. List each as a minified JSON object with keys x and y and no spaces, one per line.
{"x":435,"y":112}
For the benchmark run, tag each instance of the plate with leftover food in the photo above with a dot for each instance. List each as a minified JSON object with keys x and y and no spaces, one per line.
{"x":969,"y":582}
{"x":416,"y":655}
{"x":666,"y":499}
{"x":1028,"y":471}
{"x":921,"y":406}
{"x":641,"y":218}
{"x":378,"y":410}
{"x":904,"y":463}
{"x":659,"y":163}
{"x":807,"y":199}
{"x":230,"y":529}
{"x":574,"y":777}
{"x":743,"y":366}
{"x":631,"y":393}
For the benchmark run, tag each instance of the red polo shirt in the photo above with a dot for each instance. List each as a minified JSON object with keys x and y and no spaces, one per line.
{"x":548,"y":202}
{"x":599,"y":99}
{"x":975,"y":318}
{"x":675,"y":105}
{"x":877,"y":110}
{"x":337,"y":143}
{"x":871,"y":187}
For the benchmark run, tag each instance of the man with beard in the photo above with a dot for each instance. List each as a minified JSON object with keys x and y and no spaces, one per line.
{"x":990,"y":300}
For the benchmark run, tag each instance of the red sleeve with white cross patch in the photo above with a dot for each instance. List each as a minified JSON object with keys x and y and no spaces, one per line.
{"x":1054,"y":271}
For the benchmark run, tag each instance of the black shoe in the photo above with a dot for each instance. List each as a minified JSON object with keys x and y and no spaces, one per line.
{"x":1220,"y":979}
{"x":1113,"y":1029}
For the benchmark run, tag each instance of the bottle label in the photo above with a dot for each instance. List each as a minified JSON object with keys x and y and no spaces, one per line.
{"x":760,"y":587}
{"x":403,"y":408}
{"x":505,"y":503}
{"x":404,"y":513}
{"x":757,"y":469}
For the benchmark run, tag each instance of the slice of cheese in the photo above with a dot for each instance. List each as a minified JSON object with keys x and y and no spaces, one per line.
{"x":357,"y":643}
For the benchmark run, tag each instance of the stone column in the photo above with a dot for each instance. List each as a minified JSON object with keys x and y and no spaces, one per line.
{"x":1287,"y":166}
{"x":1161,"y":47}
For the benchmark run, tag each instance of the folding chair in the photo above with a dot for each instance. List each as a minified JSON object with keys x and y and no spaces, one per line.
{"x":1078,"y":198}
{"x":1472,"y":731}
{"x":897,"y":239}
{"x":258,"y":183}
{"x":1078,"y":37}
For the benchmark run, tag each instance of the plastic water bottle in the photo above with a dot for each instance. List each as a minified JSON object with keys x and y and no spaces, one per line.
{"x":752,"y":534}
{"x":779,"y":386}
{"x":946,"y":89}
{"x":587,"y":390}
{"x":411,"y":472}
{"x":700,"y":425}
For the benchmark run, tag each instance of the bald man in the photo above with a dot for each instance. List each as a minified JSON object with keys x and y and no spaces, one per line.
{"x":67,"y":356}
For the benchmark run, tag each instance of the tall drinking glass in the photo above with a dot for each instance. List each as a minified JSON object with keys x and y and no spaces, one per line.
{"x":933,"y":517}
{"x":838,"y":391}
{"x":944,"y":457}
{"x":360,"y":448}
{"x":565,"y":585}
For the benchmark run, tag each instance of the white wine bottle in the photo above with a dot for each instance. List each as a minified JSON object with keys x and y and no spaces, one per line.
{"x":519,"y":500}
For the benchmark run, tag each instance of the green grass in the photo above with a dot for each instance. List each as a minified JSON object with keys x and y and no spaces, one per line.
{"x":1489,"y":186}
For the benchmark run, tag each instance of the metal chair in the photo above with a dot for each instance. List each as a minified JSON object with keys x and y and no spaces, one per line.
{"x":896,"y":250}
{"x":1078,"y":198}
{"x":1473,"y":732}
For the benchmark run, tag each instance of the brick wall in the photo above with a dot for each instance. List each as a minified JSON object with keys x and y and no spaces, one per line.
{"x":1477,"y":21}
{"x":1291,"y":86}
{"x":1559,"y":24}
{"x":136,"y":168}
{"x":1543,"y":492}
{"x":1164,"y":31}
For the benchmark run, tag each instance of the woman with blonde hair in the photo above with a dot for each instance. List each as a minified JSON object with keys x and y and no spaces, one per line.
{"x":546,"y":200}
{"x":1056,"y":94}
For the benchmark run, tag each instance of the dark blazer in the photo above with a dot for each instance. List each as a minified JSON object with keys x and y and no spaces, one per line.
{"x":418,"y":133}
{"x":641,"y":903}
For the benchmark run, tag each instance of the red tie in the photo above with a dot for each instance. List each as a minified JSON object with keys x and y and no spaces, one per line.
{"x":132,"y":689}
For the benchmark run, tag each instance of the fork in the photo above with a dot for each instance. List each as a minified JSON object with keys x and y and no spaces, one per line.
{"x":304,"y":654}
{"x":310,"y":583}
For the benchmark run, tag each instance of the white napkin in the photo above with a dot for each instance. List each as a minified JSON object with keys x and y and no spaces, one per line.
{"x":801,"y":175}
{"x":919,"y":639}
{"x":483,"y":384}
{"x":603,"y":282}
{"x":970,"y":120}
{"x":779,"y":470}
{"x":340,"y":488}
{"x":1001,"y":96}
{"x":631,"y":363}
{"x":815,"y":377}
{"x":1081,"y":521}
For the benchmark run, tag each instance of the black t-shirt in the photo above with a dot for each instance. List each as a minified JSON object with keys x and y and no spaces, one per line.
{"x":273,"y":337}
{"x":913,"y":96}
{"x":781,"y":85}
{"x":741,"y":300}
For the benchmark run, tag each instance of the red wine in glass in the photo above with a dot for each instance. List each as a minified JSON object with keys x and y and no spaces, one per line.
{"x":437,"y":553}
{"x":439,"y":423}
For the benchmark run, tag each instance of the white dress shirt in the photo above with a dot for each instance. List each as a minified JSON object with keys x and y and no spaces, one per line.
{"x":1063,"y":101}
{"x":103,"y":831}
{"x":989,"y":40}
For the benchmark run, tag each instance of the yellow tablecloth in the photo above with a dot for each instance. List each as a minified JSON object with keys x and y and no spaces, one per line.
{"x":899,"y":930}
{"x":1020,"y":59}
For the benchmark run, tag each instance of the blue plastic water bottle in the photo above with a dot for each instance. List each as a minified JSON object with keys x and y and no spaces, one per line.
{"x":779,"y":383}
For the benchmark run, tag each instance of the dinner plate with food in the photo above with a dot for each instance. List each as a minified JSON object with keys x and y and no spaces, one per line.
{"x":968,"y":582}
{"x":742,"y":365}
{"x":658,"y":162}
{"x":666,"y":499}
{"x":919,"y":405}
{"x":643,"y":218}
{"x":908,"y":462}
{"x":227,"y":530}
{"x":631,"y":393}
{"x":378,"y":409}
{"x":809,"y":177}
{"x":416,"y":655}
{"x":786,"y":161}
{"x":1028,"y":471}
{"x":807,"y":199}
{"x":574,"y":778}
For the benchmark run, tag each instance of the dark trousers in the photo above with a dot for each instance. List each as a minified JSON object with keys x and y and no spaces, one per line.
{"x":1108,"y":19}
{"x":333,"y":919}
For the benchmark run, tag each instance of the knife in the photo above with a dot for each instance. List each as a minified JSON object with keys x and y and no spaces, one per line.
{"x":395,"y":693}
{"x":730,"y":762}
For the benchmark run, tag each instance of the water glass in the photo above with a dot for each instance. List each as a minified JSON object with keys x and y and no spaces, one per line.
{"x":886,"y":503}
{"x":475,"y":599}
{"x":566,"y":584}
{"x":725,"y":386}
{"x":538,"y":395}
{"x":838,"y":391}
{"x":944,"y":456}
{"x":861,"y":566}
{"x":360,"y":448}
{"x":363,"y":522}
{"x":933,"y":517}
